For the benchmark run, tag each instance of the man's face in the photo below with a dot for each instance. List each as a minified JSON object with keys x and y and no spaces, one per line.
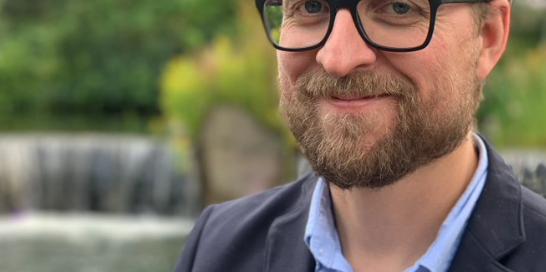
{"x":366,"y":118}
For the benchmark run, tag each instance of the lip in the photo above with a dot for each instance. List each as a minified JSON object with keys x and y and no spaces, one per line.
{"x":347,"y":103}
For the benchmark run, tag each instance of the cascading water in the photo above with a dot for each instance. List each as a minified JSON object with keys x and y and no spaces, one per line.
{"x":92,"y":173}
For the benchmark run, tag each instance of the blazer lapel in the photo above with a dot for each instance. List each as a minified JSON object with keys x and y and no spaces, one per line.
{"x":496,"y":226}
{"x":286,"y":249}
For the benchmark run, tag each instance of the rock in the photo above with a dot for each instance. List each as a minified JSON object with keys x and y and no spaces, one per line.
{"x":240,"y":156}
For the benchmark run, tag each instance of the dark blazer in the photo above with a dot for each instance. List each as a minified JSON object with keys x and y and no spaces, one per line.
{"x":506,"y":232}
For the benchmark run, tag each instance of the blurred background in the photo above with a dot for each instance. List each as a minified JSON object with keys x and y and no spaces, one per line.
{"x":120,"y":120}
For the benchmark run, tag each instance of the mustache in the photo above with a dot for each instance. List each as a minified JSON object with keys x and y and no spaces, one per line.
{"x":320,"y":84}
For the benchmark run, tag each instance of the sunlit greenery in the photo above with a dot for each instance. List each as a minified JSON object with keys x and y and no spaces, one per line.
{"x":238,"y":70}
{"x":516,"y":101}
{"x":273,"y":17}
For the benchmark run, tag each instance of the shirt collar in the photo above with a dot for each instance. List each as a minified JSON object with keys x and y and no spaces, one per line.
{"x":321,"y":236}
{"x":440,"y":254}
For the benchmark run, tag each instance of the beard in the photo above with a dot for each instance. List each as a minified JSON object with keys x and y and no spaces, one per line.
{"x":421,"y":132}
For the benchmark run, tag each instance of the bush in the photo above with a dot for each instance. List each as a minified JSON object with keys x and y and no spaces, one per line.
{"x":100,"y":57}
{"x":239,"y":72}
{"x":514,"y":111}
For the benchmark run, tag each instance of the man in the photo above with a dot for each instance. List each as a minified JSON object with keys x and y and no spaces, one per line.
{"x":381,"y":96}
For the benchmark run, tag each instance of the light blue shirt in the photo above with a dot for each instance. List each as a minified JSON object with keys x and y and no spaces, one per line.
{"x":323,"y":241}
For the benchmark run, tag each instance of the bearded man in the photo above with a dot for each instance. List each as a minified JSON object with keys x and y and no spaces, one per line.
{"x":381,"y":96}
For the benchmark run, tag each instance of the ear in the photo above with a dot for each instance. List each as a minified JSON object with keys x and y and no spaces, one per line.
{"x":494,"y":36}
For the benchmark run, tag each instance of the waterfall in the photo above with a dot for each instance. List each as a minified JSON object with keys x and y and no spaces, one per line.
{"x":92,"y":173}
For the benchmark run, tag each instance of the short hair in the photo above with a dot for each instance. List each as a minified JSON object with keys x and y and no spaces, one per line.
{"x":481,"y":11}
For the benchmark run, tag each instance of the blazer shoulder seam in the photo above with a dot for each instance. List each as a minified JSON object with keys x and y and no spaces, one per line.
{"x":534,"y":211}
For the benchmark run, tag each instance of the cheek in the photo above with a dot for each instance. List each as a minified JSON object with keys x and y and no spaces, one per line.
{"x":419,"y":70}
{"x":293,"y":64}
{"x":426,"y":68}
{"x":285,"y":87}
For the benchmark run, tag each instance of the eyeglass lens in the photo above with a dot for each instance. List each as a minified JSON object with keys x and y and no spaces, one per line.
{"x":399,"y":24}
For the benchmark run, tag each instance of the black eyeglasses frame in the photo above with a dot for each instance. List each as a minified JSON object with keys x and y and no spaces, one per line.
{"x":351,"y":5}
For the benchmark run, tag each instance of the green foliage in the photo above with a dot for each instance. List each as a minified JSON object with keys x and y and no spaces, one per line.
{"x":100,"y":57}
{"x":516,"y":111}
{"x":231,"y":71}
{"x":513,"y":111}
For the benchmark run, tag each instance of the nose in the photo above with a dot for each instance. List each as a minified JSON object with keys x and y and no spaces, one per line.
{"x":345,"y":50}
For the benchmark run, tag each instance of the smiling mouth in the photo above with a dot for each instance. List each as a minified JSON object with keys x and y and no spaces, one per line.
{"x":355,"y":98}
{"x":358,"y":103}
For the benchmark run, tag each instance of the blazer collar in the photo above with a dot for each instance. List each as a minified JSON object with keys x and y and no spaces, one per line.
{"x":495,"y":228}
{"x":285,"y":248}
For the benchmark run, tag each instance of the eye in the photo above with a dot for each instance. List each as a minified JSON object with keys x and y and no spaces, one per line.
{"x":396,"y":8}
{"x":313,"y":6}
{"x":401,"y":8}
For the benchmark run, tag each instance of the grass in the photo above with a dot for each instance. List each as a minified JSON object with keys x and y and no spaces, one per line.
{"x":46,"y":254}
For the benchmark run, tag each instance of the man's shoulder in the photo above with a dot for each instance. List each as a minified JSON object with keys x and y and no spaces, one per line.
{"x":233,"y":236}
{"x":534,"y":203}
{"x":532,"y":224}
{"x":255,"y":214}
{"x":534,"y":212}
{"x":529,"y":256}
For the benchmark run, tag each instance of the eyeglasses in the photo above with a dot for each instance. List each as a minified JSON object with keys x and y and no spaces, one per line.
{"x":389,"y":25}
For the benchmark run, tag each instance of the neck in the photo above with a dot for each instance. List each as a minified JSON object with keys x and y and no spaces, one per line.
{"x":390,"y":228}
